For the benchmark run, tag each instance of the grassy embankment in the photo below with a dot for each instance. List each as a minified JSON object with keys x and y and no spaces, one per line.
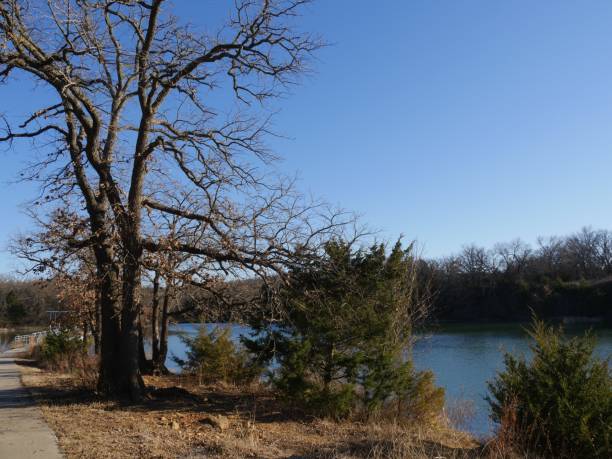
{"x":182,"y":419}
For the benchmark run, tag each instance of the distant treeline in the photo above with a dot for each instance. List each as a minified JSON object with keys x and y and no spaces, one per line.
{"x":26,"y":302}
{"x":559,"y":277}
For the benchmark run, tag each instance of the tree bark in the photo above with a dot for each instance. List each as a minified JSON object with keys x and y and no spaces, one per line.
{"x":146,"y":365}
{"x":95,"y":331}
{"x":131,"y":381}
{"x":96,"y":339}
{"x":108,"y":381}
{"x":154,"y":317}
{"x":160,"y":362}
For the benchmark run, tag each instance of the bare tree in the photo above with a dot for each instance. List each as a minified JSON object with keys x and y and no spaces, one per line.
{"x":132,"y":132}
{"x":582,"y":253}
{"x":475,"y":261}
{"x":514,"y":256}
{"x":549,"y":255}
{"x":604,"y":251}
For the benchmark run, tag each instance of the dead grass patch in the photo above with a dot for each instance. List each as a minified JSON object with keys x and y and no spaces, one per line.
{"x":172,"y":422}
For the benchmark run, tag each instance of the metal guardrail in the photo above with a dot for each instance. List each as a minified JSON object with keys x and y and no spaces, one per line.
{"x":29,"y":339}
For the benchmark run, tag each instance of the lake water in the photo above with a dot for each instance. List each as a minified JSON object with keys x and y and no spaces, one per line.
{"x":463,"y":358}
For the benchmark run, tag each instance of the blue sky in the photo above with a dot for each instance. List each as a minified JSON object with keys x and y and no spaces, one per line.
{"x":451,"y":122}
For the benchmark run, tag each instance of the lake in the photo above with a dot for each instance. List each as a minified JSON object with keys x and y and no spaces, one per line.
{"x":463,"y":358}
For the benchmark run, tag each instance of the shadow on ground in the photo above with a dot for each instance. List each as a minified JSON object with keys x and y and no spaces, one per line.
{"x":210,"y":400}
{"x":169,"y":395}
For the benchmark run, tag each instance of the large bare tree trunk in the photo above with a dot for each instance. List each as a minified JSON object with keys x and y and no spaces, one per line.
{"x":160,"y":362}
{"x":154,"y":320}
{"x":146,"y":365}
{"x":131,"y":381}
{"x":97,"y":326}
{"x":110,"y":331}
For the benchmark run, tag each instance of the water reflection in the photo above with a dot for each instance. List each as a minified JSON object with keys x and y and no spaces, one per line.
{"x":463,"y":358}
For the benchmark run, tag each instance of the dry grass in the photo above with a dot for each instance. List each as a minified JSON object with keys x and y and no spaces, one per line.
{"x":169,"y":424}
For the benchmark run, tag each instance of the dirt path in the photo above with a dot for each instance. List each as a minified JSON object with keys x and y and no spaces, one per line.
{"x":23,"y":432}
